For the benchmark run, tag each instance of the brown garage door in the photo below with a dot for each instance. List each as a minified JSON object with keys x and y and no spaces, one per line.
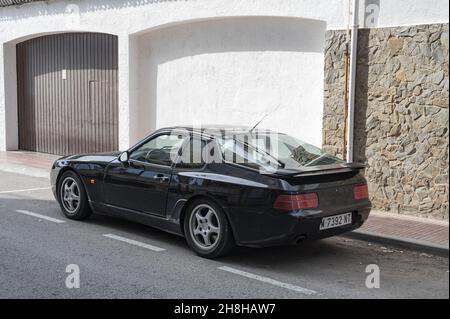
{"x":67,"y":93}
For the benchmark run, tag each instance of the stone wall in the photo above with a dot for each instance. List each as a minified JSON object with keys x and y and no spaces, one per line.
{"x":401,"y":115}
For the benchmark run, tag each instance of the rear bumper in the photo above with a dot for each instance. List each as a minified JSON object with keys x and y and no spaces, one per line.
{"x":274,"y":228}
{"x":308,"y":228}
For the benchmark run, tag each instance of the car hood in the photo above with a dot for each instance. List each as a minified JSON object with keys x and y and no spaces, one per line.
{"x":93,"y":157}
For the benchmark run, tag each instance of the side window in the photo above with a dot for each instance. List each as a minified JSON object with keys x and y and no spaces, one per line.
{"x":191,"y":154}
{"x":160,"y":150}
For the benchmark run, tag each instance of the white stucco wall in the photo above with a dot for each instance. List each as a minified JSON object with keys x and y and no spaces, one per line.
{"x":134,"y":20}
{"x":233,"y":71}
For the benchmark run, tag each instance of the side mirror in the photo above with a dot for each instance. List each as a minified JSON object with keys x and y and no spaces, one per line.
{"x":124,"y":157}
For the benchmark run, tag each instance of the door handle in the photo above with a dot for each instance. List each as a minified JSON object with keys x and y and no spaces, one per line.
{"x":161,"y":178}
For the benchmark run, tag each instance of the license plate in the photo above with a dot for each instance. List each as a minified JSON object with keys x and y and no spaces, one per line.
{"x":336,"y":221}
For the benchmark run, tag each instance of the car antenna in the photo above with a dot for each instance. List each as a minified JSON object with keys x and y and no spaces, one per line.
{"x":265,"y":115}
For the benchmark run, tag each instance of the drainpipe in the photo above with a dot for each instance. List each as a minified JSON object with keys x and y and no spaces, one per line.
{"x":346,"y":62}
{"x":352,"y":82}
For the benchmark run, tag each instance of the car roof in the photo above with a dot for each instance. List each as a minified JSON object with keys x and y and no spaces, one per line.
{"x":215,"y":130}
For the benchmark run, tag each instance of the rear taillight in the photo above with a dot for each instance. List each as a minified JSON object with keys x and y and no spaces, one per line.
{"x":361,"y":192}
{"x":295,"y":202}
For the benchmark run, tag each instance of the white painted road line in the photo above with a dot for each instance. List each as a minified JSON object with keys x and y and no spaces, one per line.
{"x":24,"y":190}
{"x":134,"y":242}
{"x":269,"y":281}
{"x":50,"y":219}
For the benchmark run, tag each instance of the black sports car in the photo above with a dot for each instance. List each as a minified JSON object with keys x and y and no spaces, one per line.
{"x":218,"y":187}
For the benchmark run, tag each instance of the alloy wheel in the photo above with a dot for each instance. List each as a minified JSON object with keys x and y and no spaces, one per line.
{"x":204,"y":226}
{"x":70,"y":195}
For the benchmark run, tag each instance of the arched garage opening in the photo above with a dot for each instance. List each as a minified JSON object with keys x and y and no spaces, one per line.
{"x":67,"y":93}
{"x":231,"y":71}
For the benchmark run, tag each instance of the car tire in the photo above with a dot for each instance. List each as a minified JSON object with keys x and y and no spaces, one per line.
{"x":207,"y":229}
{"x":72,"y":197}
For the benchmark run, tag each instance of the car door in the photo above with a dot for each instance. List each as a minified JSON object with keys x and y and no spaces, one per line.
{"x":142,"y":184}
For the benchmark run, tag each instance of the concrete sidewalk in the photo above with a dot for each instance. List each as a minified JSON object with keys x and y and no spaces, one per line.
{"x":27,"y":163}
{"x":391,"y":229}
{"x":409,"y":232}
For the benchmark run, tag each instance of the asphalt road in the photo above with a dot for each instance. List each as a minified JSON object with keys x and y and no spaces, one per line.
{"x":35,"y":251}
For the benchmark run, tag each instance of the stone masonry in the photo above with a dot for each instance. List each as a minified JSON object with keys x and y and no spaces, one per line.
{"x":401,"y":115}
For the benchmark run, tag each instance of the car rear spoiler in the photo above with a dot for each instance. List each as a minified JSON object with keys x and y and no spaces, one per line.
{"x":321,"y":170}
{"x":355,"y":165}
{"x":331,"y":169}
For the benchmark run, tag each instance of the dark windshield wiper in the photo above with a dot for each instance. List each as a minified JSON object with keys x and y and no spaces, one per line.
{"x":281,"y":164}
{"x":315,"y":159}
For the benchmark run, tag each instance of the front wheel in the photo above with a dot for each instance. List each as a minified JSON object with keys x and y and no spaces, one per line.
{"x":207,"y":229}
{"x":72,"y":197}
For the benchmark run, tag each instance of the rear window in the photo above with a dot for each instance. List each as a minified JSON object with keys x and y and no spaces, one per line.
{"x":270,"y":150}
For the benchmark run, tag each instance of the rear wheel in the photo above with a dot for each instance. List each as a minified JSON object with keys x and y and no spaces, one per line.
{"x":207,"y":229}
{"x":72,"y":197}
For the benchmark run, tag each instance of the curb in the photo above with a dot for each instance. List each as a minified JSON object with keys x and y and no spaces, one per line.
{"x":25,"y":170}
{"x":401,"y":242}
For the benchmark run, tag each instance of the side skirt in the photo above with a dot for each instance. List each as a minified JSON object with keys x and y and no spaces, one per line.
{"x":167,"y":225}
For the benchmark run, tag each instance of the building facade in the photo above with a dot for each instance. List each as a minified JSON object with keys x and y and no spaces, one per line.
{"x":401,"y":115}
{"x":95,"y":75}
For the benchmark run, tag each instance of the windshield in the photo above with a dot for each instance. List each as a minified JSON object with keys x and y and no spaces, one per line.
{"x":272,"y":150}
